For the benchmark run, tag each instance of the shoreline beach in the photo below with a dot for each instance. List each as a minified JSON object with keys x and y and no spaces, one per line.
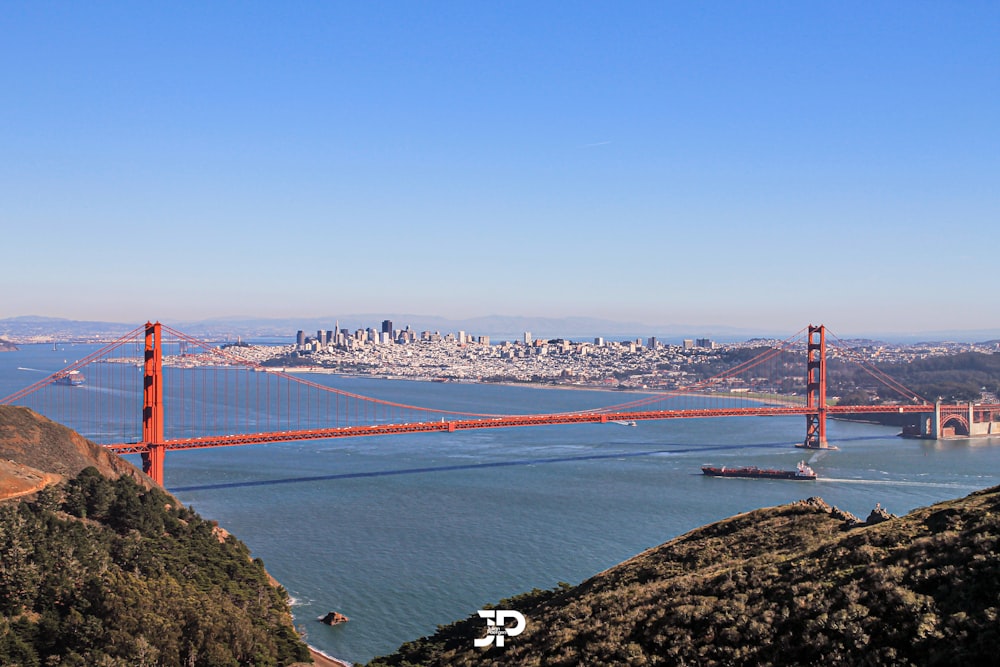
{"x":321,"y":659}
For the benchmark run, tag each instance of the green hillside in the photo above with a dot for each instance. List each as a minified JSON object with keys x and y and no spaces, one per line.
{"x":102,"y":572}
{"x":800,"y":584}
{"x":106,"y":569}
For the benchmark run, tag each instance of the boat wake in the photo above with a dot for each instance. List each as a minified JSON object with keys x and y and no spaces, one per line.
{"x":891,"y":482}
{"x":818,"y":456}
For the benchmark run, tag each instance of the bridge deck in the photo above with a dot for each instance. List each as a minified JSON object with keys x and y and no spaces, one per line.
{"x":517,"y":420}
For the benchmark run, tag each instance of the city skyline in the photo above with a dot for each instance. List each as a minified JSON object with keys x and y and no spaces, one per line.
{"x":497,"y":329}
{"x":759,"y":166}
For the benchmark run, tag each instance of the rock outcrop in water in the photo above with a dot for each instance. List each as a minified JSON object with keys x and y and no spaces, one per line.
{"x":334,"y":618}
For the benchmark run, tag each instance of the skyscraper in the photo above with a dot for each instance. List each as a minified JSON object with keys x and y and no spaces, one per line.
{"x":387,"y":327}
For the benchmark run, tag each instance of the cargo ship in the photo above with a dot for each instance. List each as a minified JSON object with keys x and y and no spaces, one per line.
{"x":803,"y":472}
{"x":71,"y":378}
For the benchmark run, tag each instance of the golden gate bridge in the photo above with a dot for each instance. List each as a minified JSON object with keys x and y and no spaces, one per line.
{"x":156,"y":389}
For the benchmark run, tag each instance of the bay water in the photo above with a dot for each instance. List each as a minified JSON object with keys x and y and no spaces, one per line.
{"x":403,"y":533}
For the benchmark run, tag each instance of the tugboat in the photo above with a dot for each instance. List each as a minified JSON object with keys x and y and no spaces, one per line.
{"x":71,"y":379}
{"x":803,"y":472}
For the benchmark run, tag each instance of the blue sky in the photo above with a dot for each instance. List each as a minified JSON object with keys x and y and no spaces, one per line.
{"x":762,"y":164}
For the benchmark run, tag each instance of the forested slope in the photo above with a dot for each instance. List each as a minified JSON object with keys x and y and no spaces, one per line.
{"x":108,"y":569}
{"x":102,"y":572}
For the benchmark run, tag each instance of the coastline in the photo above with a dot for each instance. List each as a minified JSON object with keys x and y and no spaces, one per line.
{"x":648,"y":391}
{"x":430,"y":378}
{"x":321,"y":659}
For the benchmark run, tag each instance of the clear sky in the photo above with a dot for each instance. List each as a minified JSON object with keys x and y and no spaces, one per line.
{"x":755,"y":164}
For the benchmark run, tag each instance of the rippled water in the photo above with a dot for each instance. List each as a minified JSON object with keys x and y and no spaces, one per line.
{"x":402,"y":533}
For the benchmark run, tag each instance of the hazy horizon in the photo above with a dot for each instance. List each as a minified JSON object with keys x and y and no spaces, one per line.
{"x":511,"y":327}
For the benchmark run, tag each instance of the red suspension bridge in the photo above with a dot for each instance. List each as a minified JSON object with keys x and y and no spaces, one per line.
{"x":156,"y":389}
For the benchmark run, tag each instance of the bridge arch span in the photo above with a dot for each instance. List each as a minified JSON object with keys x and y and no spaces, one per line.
{"x":959,"y":422}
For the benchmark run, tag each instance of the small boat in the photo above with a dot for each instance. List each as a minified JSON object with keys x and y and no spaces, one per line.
{"x":71,"y":379}
{"x":803,"y":472}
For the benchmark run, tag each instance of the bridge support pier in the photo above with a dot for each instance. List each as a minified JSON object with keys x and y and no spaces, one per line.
{"x":152,"y":404}
{"x":816,"y":390}
{"x":152,"y":461}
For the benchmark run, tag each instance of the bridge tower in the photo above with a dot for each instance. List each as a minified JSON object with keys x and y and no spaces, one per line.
{"x":152,"y":405}
{"x":816,"y":390}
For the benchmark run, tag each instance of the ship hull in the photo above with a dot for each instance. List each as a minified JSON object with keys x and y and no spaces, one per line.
{"x":758,"y":473}
{"x":71,"y":379}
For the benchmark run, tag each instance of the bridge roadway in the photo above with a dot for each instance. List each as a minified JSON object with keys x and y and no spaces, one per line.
{"x":518,"y":420}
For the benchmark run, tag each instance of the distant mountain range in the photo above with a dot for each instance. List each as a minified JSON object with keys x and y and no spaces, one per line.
{"x":497,"y":327}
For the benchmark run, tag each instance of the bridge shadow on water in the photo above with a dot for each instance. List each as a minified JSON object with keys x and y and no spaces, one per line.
{"x":678,"y":449}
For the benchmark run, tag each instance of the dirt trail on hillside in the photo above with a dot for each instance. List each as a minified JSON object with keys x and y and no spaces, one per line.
{"x":18,"y":480}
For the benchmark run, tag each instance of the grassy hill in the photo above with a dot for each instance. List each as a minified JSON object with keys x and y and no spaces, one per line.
{"x":800,"y":584}
{"x":35,"y":451}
